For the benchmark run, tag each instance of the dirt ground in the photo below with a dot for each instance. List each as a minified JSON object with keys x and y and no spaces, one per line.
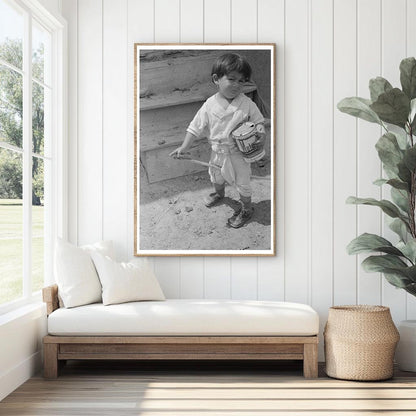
{"x":173,"y":215}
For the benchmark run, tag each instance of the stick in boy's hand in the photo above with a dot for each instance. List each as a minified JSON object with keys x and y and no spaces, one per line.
{"x":178,"y":153}
{"x":181,"y":150}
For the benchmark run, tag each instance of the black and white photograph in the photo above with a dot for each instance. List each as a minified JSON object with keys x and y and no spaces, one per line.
{"x":204,"y":149}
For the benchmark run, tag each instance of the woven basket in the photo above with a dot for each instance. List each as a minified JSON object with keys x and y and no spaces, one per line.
{"x":360,"y":341}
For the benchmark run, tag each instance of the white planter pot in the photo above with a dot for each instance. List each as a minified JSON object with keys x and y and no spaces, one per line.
{"x":406,"y":349}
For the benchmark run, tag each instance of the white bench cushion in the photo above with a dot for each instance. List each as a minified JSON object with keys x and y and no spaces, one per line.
{"x":187,"y":317}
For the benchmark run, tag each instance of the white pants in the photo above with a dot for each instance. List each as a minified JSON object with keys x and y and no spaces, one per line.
{"x":241,"y":170}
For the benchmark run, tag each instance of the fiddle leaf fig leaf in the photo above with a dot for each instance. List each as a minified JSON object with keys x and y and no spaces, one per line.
{"x":380,"y":182}
{"x":391,"y":174}
{"x":388,"y":207}
{"x":402,"y":139}
{"x":395,"y":183}
{"x":359,"y":107}
{"x":412,"y":109}
{"x":411,"y":273}
{"x":396,"y":271}
{"x":398,"y":184}
{"x":397,"y":280}
{"x":410,"y":158}
{"x":400,"y":198}
{"x":392,"y":107}
{"x":366,"y":243}
{"x":378,"y":86}
{"x":411,"y":289}
{"x":400,"y":228}
{"x":408,"y":77}
{"x":412,"y":117}
{"x":381,"y":263}
{"x":389,"y":151}
{"x":404,"y":173}
{"x":408,"y":249}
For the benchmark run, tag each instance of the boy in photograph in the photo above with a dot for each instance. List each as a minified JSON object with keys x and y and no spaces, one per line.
{"x":217,"y":119}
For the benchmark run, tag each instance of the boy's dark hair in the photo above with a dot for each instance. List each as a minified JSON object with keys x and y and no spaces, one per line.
{"x":229,"y":62}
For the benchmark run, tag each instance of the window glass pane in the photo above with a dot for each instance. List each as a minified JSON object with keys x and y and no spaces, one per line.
{"x":11,"y":34}
{"x":11,"y":107}
{"x":38,"y":230}
{"x":38,"y":118}
{"x":41,"y":46}
{"x":11,"y":226}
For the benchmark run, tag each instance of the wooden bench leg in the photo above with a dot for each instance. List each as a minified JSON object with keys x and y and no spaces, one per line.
{"x":50,"y":360}
{"x":310,"y":360}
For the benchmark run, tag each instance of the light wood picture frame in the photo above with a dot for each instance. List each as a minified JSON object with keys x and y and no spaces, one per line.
{"x":171,"y":84}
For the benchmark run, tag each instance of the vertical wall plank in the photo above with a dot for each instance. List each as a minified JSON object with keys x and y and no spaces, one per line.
{"x":90,"y":127}
{"x":70,"y":12}
{"x":345,"y":151}
{"x":217,"y":278}
{"x":115,"y":157}
{"x":393,"y":51}
{"x":167,"y":29}
{"x":140,"y":21}
{"x":192,"y":21}
{"x":411,"y":51}
{"x":244,"y":21}
{"x":140,"y":30}
{"x":192,"y":31}
{"x":244,"y":278}
{"x":217,"y":21}
{"x":322,"y":112}
{"x":167,"y":15}
{"x":296,"y":152}
{"x":217,"y":27}
{"x":368,"y":163}
{"x":411,"y":28}
{"x":192,"y":277}
{"x":167,"y":271}
{"x":271,"y":29}
{"x":243,"y":29}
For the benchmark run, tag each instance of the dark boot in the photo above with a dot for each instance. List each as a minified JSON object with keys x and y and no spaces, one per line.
{"x":215,"y":197}
{"x":242,"y":215}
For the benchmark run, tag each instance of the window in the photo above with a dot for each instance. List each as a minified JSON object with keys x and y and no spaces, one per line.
{"x":31,"y":141}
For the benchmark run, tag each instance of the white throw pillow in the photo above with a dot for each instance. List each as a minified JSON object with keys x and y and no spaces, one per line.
{"x":103,"y":247}
{"x":75,"y":273}
{"x":126,"y":282}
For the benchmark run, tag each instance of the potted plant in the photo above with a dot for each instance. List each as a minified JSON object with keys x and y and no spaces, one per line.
{"x":394,"y":109}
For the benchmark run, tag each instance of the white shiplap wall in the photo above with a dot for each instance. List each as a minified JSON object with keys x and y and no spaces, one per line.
{"x":326,"y":50}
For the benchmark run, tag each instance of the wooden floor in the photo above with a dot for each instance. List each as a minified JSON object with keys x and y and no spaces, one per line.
{"x":221,"y":389}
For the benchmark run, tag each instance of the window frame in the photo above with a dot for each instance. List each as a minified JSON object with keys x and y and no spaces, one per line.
{"x":57,"y":225}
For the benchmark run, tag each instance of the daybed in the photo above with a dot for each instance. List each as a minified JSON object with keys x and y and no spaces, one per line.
{"x":181,"y":329}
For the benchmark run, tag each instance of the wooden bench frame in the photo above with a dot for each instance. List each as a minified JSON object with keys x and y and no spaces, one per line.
{"x":58,"y":349}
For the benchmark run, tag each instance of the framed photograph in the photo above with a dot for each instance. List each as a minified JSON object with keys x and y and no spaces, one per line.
{"x":205,"y":149}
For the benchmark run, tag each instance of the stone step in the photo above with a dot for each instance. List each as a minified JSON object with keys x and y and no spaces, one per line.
{"x":194,"y":94}
{"x":174,"y":73}
{"x":159,"y":166}
{"x":165,"y":117}
{"x":157,"y":140}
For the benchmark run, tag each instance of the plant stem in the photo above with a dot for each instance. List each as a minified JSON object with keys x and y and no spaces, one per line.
{"x":412,"y":196}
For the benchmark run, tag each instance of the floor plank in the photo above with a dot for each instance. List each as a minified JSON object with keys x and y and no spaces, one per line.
{"x":211,"y":389}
